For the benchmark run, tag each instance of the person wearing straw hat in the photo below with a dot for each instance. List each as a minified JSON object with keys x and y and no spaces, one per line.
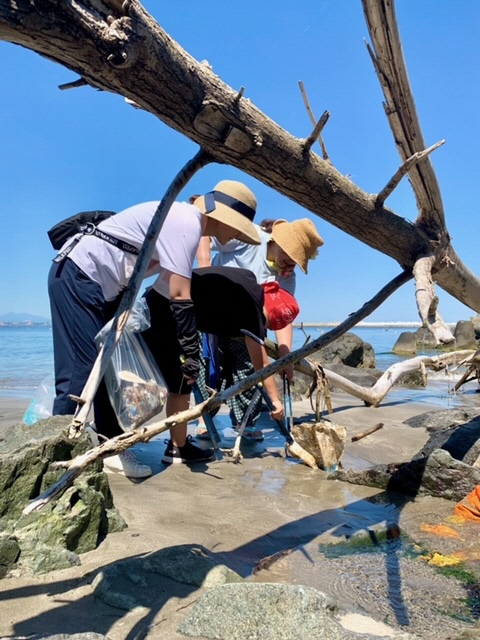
{"x":284,"y":246}
{"x":86,"y":284}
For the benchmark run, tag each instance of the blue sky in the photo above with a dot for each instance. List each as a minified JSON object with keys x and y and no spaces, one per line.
{"x":68,"y":151}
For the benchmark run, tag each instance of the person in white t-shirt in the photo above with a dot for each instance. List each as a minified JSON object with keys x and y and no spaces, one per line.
{"x":284,"y":246}
{"x":85,"y":289}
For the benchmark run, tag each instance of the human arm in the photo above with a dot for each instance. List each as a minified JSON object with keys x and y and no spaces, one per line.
{"x":183,"y":312}
{"x":260,"y":359}
{"x":204,"y":256}
{"x":284,"y":341}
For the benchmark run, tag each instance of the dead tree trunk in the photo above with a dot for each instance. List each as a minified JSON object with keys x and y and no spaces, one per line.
{"x":118,"y":47}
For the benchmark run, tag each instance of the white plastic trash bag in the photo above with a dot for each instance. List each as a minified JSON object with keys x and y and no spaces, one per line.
{"x":135,"y":386}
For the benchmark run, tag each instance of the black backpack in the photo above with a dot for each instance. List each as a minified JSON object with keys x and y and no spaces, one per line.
{"x":78,"y":223}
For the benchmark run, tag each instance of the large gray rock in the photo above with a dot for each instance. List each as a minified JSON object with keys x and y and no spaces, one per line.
{"x":53,"y":537}
{"x":476,"y":325}
{"x":349,"y":349}
{"x":454,"y":430}
{"x":425,"y":339}
{"x":437,"y":475}
{"x":268,"y":612}
{"x":464,"y":334}
{"x":406,"y":344}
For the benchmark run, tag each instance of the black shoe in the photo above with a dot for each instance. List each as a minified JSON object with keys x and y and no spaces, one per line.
{"x":188,"y":454}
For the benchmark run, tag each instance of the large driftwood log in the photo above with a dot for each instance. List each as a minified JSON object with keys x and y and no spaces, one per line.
{"x":118,"y":47}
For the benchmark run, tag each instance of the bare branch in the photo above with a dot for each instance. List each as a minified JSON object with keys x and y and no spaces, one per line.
{"x":402,"y":171}
{"x":314,"y":120}
{"x":307,"y":145}
{"x":81,"y":82}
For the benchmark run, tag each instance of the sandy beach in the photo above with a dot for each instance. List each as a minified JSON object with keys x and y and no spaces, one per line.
{"x":242,"y":514}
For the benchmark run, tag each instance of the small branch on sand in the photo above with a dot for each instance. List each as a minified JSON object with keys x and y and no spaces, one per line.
{"x":366,"y":433}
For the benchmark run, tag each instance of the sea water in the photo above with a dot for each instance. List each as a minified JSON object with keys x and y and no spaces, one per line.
{"x":26,"y":359}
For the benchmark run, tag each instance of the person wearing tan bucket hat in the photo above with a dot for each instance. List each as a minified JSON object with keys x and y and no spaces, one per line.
{"x":284,"y":246}
{"x":298,"y":239}
{"x":86,"y":283}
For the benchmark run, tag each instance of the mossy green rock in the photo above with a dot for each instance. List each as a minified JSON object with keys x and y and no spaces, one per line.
{"x":53,"y":537}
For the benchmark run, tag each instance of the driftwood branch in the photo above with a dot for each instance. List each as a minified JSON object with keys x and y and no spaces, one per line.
{"x":308,"y":144}
{"x":402,"y":171}
{"x":427,"y":301}
{"x":128,"y":298}
{"x":390,"y":66}
{"x":313,"y":119}
{"x":366,"y":433}
{"x":373,"y":396}
{"x":81,"y":82}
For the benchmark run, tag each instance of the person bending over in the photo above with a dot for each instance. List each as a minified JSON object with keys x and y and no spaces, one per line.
{"x":284,"y":246}
{"x":86,"y":287}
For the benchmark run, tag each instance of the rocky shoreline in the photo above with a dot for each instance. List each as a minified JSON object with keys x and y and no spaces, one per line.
{"x":268,"y":548}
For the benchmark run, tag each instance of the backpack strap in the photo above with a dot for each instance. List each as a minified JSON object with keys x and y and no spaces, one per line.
{"x":91,"y":230}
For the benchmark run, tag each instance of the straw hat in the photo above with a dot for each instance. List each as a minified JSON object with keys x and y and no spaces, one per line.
{"x":299,"y":239}
{"x":233,"y":204}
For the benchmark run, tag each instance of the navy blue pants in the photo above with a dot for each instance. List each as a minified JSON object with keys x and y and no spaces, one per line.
{"x":79,"y":311}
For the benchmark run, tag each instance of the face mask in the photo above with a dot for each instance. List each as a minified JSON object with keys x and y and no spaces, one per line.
{"x":283,"y":272}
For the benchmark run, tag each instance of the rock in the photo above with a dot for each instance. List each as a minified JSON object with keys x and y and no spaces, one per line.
{"x":464,"y":334}
{"x":437,"y":475}
{"x":264,"y":610}
{"x":476,"y":325}
{"x":361,"y":376}
{"x":186,"y":564}
{"x":425,"y":340}
{"x":324,"y":440}
{"x":9,"y":552}
{"x":454,"y":430}
{"x":53,"y":537}
{"x":349,"y":349}
{"x":406,"y":344}
{"x":190,"y":566}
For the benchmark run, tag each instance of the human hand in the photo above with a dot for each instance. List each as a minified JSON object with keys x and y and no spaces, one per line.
{"x":277,"y":412}
{"x":288,"y":372}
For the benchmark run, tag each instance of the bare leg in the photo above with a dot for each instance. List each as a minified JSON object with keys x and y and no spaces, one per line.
{"x":175,"y":403}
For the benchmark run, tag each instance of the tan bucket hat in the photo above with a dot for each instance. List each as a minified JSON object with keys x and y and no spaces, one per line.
{"x":299,"y":239}
{"x":233,"y":204}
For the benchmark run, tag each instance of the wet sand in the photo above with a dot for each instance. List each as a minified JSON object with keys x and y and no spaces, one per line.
{"x":271,"y":519}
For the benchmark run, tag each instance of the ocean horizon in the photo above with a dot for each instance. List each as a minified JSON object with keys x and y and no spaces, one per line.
{"x":26,"y":359}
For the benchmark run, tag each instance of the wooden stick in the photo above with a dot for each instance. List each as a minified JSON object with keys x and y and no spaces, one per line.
{"x":81,"y":82}
{"x":314,"y":120}
{"x":316,"y":131}
{"x":367,"y":432}
{"x":402,"y":171}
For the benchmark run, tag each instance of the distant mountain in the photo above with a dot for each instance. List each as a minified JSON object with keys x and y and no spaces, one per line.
{"x":23,"y":317}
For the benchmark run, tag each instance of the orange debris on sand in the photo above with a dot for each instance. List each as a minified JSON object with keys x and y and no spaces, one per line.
{"x":440,"y":530}
{"x":469,"y":507}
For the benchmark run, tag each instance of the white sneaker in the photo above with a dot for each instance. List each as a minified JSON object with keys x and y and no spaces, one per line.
{"x":127,"y":463}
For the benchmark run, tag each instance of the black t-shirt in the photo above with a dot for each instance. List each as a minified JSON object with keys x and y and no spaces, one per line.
{"x":228,"y":299}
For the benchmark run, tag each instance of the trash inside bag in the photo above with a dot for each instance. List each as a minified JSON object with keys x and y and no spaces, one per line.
{"x":135,"y":386}
{"x":41,"y":405}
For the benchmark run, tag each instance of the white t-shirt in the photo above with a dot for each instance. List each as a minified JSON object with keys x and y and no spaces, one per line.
{"x":175,"y":249}
{"x":253,"y":257}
